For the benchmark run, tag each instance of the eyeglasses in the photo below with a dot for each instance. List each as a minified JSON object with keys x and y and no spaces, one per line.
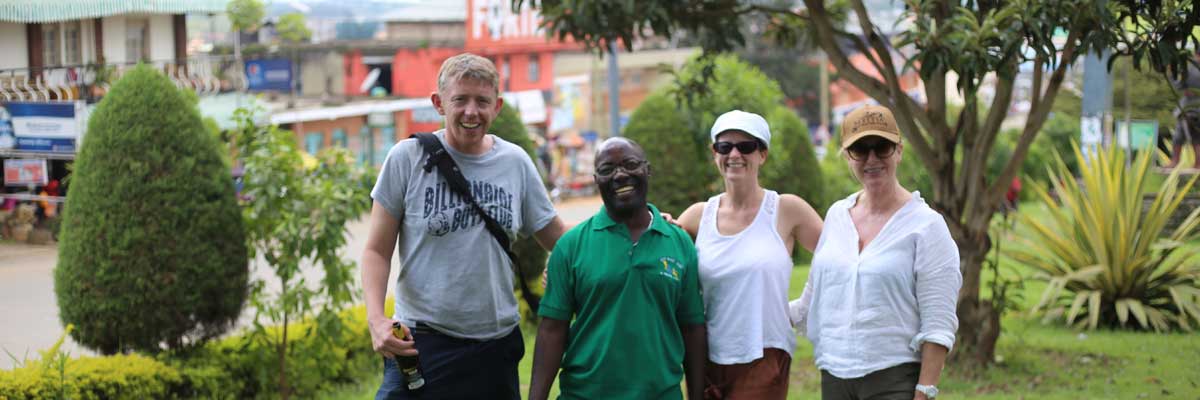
{"x":629,"y":166}
{"x":746,"y":147}
{"x":860,"y":151}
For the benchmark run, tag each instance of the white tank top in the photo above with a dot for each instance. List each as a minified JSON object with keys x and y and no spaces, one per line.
{"x":745,"y":279}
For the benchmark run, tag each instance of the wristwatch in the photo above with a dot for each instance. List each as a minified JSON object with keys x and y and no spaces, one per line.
{"x":930,"y":391}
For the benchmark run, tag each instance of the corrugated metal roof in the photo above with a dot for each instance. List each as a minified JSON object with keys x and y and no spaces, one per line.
{"x":35,"y":11}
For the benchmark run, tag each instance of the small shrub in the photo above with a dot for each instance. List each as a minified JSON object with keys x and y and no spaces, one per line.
{"x":57,"y":376}
{"x":237,"y":367}
{"x":676,"y":137}
{"x":1105,"y":256}
{"x":152,"y":249}
{"x":681,"y":169}
{"x":792,"y":165}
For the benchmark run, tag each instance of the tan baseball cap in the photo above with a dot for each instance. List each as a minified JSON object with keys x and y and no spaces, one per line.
{"x":870,"y":120}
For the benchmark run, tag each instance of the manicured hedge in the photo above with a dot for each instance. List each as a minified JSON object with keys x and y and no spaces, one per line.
{"x":237,"y":367}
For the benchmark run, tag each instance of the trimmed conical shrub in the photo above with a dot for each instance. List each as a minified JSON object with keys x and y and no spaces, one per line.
{"x":681,"y":170}
{"x":152,"y":250}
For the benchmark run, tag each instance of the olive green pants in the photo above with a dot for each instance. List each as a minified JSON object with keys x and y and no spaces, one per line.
{"x":894,"y":383}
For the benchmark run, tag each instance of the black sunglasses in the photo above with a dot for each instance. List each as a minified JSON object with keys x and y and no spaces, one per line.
{"x":859,"y":151}
{"x":746,"y":147}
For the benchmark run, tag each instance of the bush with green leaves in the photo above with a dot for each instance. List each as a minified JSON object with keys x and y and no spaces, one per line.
{"x":676,"y":136}
{"x":1106,"y":254}
{"x":295,"y":216}
{"x":530,"y":254}
{"x":681,"y":168}
{"x":792,"y":164}
{"x":235,"y":367}
{"x":152,"y":250}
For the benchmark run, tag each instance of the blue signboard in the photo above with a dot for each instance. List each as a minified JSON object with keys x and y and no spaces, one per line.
{"x":273,"y":75}
{"x":45,"y":144}
{"x":7,"y":140}
{"x":51,"y":119}
{"x":5,"y":122}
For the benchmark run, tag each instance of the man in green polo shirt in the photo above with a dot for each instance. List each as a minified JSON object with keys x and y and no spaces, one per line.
{"x":629,"y":280}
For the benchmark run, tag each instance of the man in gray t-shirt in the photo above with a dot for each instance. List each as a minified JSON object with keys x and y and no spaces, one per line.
{"x":454,"y":293}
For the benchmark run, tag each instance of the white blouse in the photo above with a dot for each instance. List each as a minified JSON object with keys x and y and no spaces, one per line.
{"x":870,"y":310}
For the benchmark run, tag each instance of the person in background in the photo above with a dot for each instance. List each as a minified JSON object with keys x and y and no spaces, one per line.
{"x":1187,"y":115}
{"x":879,"y":304}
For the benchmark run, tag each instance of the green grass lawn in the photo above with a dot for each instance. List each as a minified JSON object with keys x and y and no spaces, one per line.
{"x":1034,"y":360}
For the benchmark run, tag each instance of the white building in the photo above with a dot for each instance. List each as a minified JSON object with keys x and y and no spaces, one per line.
{"x":55,"y":44}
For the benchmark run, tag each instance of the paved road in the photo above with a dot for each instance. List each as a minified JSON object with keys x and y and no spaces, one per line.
{"x":29,"y":312}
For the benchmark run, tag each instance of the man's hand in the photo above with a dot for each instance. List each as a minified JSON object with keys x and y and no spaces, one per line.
{"x":919,"y":396}
{"x":669,"y":218}
{"x":387,"y":345}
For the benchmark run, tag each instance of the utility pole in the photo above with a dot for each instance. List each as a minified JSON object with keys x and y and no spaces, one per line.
{"x":824,"y":89}
{"x":614,"y":91}
{"x":1097,"y":100}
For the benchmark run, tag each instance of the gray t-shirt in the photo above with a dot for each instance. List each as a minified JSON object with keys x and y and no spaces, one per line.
{"x":453,"y":274}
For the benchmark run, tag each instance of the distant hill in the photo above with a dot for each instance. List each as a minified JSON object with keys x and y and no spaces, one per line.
{"x":344,"y":9}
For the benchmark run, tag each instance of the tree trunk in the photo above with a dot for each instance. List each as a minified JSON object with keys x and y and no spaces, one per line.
{"x":978,"y":319}
{"x":284,"y":392}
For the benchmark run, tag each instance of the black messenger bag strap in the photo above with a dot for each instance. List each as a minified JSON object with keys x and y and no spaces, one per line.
{"x":439,"y":158}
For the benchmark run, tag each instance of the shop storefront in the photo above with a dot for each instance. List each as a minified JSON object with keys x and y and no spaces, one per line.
{"x":38,"y":142}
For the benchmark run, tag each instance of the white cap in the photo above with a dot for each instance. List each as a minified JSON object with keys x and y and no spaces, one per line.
{"x":738,"y":120}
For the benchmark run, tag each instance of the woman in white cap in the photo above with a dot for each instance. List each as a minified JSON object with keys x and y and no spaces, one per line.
{"x":744,"y":241}
{"x":879,"y":304}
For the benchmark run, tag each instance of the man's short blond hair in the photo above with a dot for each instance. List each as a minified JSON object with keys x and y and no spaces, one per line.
{"x":464,"y":66}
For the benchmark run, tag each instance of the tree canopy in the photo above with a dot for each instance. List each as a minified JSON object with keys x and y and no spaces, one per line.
{"x":975,"y":40}
{"x":245,"y":14}
{"x":292,"y":28}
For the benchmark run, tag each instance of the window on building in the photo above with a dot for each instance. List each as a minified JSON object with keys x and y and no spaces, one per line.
{"x":386,"y":140}
{"x":72,"y":43}
{"x":366,"y":153}
{"x":339,"y":138}
{"x":313,"y":141}
{"x":51,"y":44}
{"x":535,"y":70}
{"x":62,"y":43}
{"x":137,"y":43}
{"x":505,"y":73}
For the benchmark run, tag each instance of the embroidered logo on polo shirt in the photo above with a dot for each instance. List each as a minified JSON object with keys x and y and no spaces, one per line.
{"x":671,"y":268}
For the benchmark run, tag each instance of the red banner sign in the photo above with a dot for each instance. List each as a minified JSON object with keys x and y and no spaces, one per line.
{"x":23,"y":172}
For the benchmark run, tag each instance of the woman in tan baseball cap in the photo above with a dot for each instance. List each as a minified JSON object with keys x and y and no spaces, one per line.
{"x":744,"y":243}
{"x":879,"y":304}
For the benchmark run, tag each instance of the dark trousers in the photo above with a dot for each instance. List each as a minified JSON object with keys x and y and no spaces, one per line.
{"x":895,"y":383}
{"x":456,"y":368}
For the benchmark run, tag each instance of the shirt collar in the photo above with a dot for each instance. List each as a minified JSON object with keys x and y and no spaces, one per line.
{"x":657,"y":223}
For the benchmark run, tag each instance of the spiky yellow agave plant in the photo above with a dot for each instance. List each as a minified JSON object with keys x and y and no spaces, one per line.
{"x":1104,"y":255}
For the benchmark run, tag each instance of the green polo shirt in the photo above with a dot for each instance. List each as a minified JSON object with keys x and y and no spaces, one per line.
{"x":628,"y":301}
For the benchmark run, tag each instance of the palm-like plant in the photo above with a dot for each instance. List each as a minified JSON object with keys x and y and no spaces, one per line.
{"x":1105,"y":255}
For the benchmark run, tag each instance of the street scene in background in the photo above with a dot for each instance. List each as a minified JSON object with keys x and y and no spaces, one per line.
{"x":190,"y":191}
